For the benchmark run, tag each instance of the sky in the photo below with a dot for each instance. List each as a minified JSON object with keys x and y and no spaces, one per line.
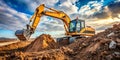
{"x":15,"y":14}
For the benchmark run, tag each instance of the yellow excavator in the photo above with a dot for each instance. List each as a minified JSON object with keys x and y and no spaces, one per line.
{"x":73,"y":28}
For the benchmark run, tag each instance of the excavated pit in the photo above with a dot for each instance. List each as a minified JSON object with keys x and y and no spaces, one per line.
{"x":103,"y":46}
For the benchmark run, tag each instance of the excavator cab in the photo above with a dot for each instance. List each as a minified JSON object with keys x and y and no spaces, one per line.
{"x":77,"y":28}
{"x":76,"y":25}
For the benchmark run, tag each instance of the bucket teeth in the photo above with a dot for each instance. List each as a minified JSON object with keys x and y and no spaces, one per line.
{"x":22,"y":35}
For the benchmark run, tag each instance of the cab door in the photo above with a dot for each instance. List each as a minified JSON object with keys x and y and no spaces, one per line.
{"x":72,"y":26}
{"x":80,"y":25}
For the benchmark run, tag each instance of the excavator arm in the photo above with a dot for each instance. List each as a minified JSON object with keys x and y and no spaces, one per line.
{"x":53,"y":13}
{"x":35,"y":19}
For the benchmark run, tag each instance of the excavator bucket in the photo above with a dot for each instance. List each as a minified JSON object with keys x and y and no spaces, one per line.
{"x":23,"y":35}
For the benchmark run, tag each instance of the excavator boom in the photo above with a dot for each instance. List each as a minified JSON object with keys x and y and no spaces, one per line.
{"x":25,"y":34}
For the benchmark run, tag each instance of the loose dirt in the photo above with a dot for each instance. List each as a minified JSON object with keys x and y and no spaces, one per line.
{"x":43,"y":42}
{"x":103,"y":46}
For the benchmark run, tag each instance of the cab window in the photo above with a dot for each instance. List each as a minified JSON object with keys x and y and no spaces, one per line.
{"x":78,"y":26}
{"x":72,"y":27}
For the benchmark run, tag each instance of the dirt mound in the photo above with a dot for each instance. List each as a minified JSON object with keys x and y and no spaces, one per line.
{"x":43,"y":42}
{"x":103,"y":46}
{"x":53,"y":54}
{"x":17,"y":45}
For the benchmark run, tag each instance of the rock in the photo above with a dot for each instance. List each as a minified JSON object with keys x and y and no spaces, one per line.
{"x":109,"y":57}
{"x":72,"y":39}
{"x":112,"y":45}
{"x":110,"y":34}
{"x":116,"y":54}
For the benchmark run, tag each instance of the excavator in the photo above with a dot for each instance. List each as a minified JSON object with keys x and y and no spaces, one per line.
{"x":73,"y":28}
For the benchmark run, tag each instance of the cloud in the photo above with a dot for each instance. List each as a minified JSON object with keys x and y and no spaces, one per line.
{"x":110,"y":11}
{"x":11,"y":19}
{"x":33,"y":4}
{"x":91,"y":8}
{"x":96,"y":14}
{"x":99,"y":10}
{"x":101,"y":25}
{"x":68,"y":6}
{"x":115,"y":9}
{"x":117,"y":1}
{"x":50,"y":25}
{"x":104,"y":14}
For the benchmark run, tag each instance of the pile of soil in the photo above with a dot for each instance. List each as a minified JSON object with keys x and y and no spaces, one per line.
{"x":7,"y":50}
{"x":17,"y":45}
{"x":43,"y":42}
{"x":103,"y":46}
{"x":52,"y":54}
